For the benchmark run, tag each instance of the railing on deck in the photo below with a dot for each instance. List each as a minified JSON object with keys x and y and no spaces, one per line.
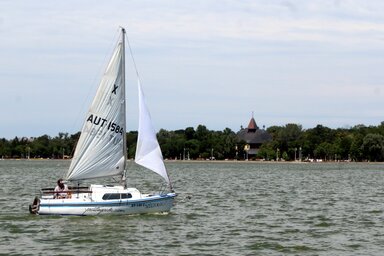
{"x":71,"y":190}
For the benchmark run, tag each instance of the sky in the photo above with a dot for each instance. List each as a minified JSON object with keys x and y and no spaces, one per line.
{"x":209,"y":62}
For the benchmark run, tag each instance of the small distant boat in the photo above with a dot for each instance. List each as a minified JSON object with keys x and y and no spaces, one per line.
{"x":102,"y":152}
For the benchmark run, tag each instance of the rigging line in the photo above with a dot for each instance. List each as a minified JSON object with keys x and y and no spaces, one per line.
{"x":131,"y":53}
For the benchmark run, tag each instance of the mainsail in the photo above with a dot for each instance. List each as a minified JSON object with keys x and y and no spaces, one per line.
{"x":101,"y":149}
{"x":148,"y":152}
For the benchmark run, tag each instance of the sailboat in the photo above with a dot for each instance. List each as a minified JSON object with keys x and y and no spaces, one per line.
{"x":102,"y":152}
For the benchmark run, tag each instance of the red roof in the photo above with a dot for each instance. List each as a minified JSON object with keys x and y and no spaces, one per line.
{"x":252,"y":124}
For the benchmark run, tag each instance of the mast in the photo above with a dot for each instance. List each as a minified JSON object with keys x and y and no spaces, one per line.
{"x":125,"y":105}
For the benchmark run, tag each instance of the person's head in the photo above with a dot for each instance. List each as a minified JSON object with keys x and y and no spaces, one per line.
{"x":60,"y":183}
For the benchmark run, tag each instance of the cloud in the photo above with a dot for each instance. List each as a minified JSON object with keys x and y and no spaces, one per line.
{"x":287,"y":60}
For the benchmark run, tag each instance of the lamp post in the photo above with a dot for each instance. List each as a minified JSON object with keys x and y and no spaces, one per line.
{"x":246,"y":149}
{"x":28,"y":153}
{"x":300,"y":154}
{"x":277,"y":154}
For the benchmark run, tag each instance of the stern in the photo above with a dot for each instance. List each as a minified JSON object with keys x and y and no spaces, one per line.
{"x":35,"y":206}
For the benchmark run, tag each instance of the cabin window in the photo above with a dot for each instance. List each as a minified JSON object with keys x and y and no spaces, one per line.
{"x":126,"y":195}
{"x":114,"y":196}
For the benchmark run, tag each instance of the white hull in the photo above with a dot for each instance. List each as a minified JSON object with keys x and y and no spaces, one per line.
{"x":98,"y":201}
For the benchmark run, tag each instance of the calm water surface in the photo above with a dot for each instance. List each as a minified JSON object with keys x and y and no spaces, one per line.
{"x":234,"y":209}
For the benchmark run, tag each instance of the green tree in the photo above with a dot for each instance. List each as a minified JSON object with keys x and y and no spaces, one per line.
{"x":190,"y":133}
{"x":373,"y":147}
{"x":324,"y":151}
{"x":314,"y":137}
{"x":131,"y":143}
{"x":5,"y":148}
{"x":267,"y":151}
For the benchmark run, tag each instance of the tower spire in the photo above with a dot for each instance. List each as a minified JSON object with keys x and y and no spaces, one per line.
{"x":252,"y":126}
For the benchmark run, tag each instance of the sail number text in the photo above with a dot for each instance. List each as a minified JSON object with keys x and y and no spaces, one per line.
{"x":102,"y":122}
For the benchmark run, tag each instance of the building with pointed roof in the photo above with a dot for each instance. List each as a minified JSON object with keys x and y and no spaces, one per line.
{"x":254,"y":137}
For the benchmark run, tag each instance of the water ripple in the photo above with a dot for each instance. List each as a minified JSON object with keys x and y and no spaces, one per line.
{"x":222,"y":209}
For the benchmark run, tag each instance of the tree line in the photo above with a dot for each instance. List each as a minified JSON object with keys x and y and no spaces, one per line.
{"x":289,"y":142}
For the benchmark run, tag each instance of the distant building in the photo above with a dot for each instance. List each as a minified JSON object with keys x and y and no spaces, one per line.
{"x":254,"y":137}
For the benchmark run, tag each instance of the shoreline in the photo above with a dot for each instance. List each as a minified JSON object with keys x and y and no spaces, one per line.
{"x":213,"y":161}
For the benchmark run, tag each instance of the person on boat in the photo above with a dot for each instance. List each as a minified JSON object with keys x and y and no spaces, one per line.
{"x":60,"y":190}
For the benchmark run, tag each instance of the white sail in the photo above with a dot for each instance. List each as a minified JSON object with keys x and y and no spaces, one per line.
{"x":100,"y":151}
{"x":148,"y":152}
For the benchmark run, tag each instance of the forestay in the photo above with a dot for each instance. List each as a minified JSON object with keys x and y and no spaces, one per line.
{"x":102,"y":145}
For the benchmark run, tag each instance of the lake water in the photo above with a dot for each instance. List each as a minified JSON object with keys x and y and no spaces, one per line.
{"x":235,"y":209}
